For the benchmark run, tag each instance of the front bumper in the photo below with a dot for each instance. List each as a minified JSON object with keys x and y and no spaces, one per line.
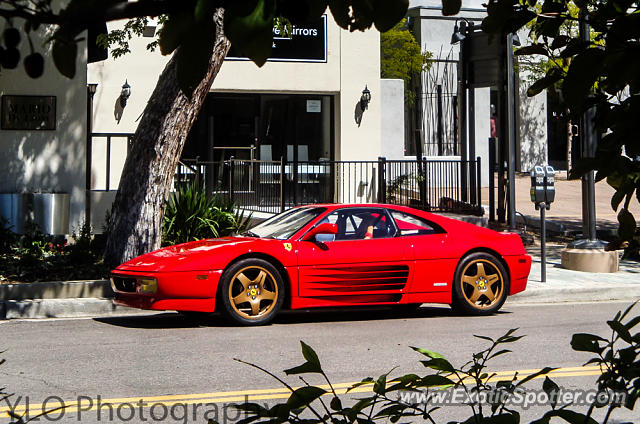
{"x":182,"y":291}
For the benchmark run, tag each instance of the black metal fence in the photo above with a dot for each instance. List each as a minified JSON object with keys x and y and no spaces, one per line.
{"x":273,"y":186}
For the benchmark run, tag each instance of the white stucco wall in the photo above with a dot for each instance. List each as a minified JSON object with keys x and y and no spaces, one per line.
{"x":392,"y":118}
{"x":48,"y":160}
{"x":531,"y":123}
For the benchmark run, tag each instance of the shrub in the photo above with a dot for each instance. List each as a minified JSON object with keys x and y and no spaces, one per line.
{"x":191,"y":214}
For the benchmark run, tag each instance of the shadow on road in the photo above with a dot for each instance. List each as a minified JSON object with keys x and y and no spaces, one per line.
{"x":304,"y":316}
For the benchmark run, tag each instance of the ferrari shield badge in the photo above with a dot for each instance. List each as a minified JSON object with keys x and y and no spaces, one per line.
{"x":288,"y":247}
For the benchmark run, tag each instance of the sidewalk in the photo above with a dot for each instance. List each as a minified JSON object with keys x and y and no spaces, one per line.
{"x":563,"y":285}
{"x":567,"y":207}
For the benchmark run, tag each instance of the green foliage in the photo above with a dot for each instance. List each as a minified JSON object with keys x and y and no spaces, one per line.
{"x":488,"y":396}
{"x":401,"y":57}
{"x":7,"y":237}
{"x":34,"y":256}
{"x":618,"y":357}
{"x":602,"y":75}
{"x":191,"y":214}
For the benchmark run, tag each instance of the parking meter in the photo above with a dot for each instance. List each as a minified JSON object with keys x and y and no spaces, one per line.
{"x":537,"y":185}
{"x":543,"y":193}
{"x":549,"y":185}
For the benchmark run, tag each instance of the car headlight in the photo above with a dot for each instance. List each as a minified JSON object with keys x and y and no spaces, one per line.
{"x":146,"y":285}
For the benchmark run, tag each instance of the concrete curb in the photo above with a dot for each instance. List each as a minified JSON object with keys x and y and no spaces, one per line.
{"x":61,"y":308}
{"x":58,"y":299}
{"x":56,"y":290}
{"x":571,"y":294}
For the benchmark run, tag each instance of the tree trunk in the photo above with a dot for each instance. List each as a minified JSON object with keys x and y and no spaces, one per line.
{"x":136,"y":217}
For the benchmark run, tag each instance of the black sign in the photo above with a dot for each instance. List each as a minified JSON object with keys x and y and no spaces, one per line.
{"x":304,"y":43}
{"x":28,"y":112}
{"x":485,"y":56}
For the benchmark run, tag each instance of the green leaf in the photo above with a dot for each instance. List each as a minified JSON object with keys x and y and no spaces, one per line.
{"x":560,"y":41}
{"x":451,"y":7}
{"x":311,"y":366}
{"x":336,"y":404}
{"x":581,"y":76}
{"x":582,"y":342}
{"x":428,"y":353}
{"x":627,"y":227}
{"x":545,"y":370}
{"x":620,"y":330}
{"x":617,"y":197}
{"x":625,"y":313}
{"x":304,"y":396}
{"x":301,"y":11}
{"x":309,"y":354}
{"x":174,"y":30}
{"x":532,"y":49}
{"x":64,"y":54}
{"x":367,"y":380}
{"x":204,"y":10}
{"x":552,"y":390}
{"x":303,"y":369}
{"x":252,"y":34}
{"x":439,"y":364}
{"x":633,"y":322}
{"x":387,"y":13}
{"x":501,"y":352}
{"x":193,"y":57}
{"x":554,"y":75}
{"x":340,"y":11}
{"x":380,"y":386}
{"x":434,"y":381}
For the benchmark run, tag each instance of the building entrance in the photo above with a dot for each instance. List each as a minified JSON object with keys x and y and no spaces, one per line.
{"x":295,"y":127}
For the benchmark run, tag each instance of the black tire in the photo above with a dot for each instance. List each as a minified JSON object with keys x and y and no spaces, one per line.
{"x":480,"y":285}
{"x":251,"y":292}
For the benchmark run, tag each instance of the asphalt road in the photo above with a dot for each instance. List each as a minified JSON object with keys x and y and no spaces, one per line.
{"x":169,"y":358}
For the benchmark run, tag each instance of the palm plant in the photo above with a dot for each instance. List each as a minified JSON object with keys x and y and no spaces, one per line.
{"x":192,"y":214}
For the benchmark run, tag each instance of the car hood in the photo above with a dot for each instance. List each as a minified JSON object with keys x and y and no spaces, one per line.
{"x":193,"y":256}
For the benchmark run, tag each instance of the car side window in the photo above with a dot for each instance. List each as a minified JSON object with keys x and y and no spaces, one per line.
{"x":411,"y":225}
{"x":361,"y":224}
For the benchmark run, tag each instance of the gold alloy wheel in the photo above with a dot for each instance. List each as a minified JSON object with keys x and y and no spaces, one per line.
{"x":482,"y":284}
{"x":253,"y":292}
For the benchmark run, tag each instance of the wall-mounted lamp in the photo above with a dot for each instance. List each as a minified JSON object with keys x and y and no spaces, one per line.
{"x":365,"y":98}
{"x":460,"y":32}
{"x":125,"y":94}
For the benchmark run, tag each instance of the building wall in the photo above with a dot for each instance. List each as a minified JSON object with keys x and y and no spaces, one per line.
{"x":353,"y":61}
{"x":392,"y":118}
{"x":531,"y":124}
{"x":48,"y":160}
{"x":433,"y":33}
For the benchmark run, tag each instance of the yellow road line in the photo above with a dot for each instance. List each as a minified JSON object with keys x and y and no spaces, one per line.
{"x":253,"y":395}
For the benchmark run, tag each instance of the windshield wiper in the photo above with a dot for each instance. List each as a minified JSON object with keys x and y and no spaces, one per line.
{"x":250,"y":234}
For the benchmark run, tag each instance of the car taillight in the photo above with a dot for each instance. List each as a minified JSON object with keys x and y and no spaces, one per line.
{"x":146,"y":285}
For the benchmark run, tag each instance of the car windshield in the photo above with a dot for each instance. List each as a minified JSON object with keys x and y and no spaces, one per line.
{"x":286,"y":224}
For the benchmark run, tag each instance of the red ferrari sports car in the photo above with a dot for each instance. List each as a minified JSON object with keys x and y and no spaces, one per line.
{"x":331,"y":255}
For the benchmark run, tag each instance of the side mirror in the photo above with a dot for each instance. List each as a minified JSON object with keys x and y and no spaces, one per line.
{"x":322,"y":229}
